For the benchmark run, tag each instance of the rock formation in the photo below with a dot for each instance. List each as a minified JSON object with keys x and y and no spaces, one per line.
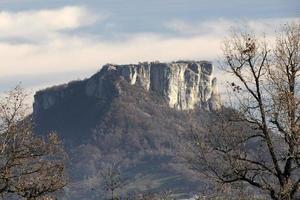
{"x":129,"y":113}
{"x":184,"y":84}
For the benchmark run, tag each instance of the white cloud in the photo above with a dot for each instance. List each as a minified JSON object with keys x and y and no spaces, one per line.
{"x":38,"y":24}
{"x":221,"y":27}
{"x":217,"y":27}
{"x":75,"y":53}
{"x":60,"y":52}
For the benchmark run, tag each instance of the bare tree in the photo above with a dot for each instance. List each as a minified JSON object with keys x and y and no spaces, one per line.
{"x":260,"y":143}
{"x":113,"y":179}
{"x":30,"y":166}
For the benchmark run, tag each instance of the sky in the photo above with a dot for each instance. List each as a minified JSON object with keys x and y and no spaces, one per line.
{"x":47,"y":42}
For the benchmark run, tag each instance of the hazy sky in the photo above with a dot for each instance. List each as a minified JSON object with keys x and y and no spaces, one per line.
{"x":45,"y":42}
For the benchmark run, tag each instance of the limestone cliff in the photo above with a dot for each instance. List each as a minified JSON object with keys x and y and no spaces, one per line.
{"x":185,"y":84}
{"x":126,"y":112}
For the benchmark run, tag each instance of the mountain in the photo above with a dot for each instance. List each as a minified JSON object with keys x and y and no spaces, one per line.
{"x":131,"y":115}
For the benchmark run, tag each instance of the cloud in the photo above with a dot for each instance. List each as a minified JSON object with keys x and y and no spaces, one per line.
{"x":76,"y":53}
{"x":215,"y":27}
{"x":57,"y":51}
{"x":221,"y":27}
{"x":38,"y":24}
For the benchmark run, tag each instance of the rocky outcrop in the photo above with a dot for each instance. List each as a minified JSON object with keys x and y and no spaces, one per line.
{"x":123,"y":112}
{"x":185,"y":84}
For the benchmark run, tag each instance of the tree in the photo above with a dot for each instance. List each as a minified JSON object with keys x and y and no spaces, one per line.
{"x":30,"y":166}
{"x":112,"y":179}
{"x":259,"y":142}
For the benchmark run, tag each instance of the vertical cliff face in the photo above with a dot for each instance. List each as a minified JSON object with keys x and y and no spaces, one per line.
{"x":123,"y":111}
{"x":185,"y":84}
